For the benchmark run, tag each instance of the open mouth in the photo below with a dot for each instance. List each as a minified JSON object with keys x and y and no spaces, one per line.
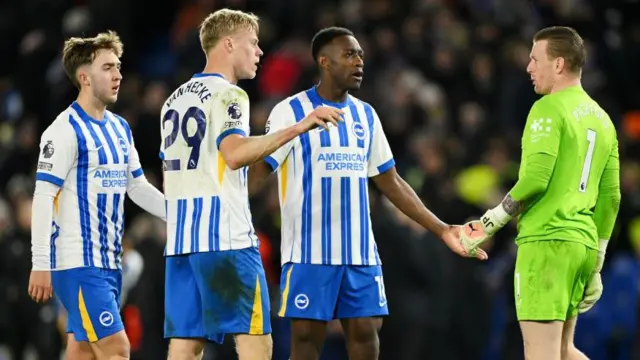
{"x":358,"y":75}
{"x":115,"y":88}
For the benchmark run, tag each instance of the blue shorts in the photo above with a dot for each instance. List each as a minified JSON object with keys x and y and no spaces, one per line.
{"x":326,"y":292}
{"x":211,"y":294}
{"x":91,"y":297}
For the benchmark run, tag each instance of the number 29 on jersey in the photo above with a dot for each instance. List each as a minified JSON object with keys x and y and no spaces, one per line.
{"x":180,"y":123}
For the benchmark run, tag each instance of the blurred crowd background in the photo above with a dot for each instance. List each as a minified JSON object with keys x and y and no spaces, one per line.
{"x":448,"y":80}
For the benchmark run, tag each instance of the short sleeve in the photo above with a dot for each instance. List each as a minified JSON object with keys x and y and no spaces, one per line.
{"x":543,"y":130}
{"x":280,"y":118}
{"x":58,"y":154}
{"x":230,"y":114}
{"x":379,"y":155}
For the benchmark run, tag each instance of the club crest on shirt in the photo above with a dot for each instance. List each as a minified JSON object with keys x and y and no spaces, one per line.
{"x":47,"y":150}
{"x":233,"y":110}
{"x":358,"y":130}
{"x":123,"y":146}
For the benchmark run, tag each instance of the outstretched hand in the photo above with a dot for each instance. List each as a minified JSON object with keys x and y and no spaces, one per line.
{"x":451,"y":237}
{"x":322,"y":116}
{"x":473,"y":235}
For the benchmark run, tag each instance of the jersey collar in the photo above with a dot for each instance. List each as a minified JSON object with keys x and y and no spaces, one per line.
{"x":317,"y":99}
{"x":85,"y":117}
{"x":200,"y":75}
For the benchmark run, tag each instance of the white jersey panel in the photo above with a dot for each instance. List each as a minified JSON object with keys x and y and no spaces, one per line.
{"x":323,"y":182}
{"x":89,"y":160}
{"x":207,"y":202}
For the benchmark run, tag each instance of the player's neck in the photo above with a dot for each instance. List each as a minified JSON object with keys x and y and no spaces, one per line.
{"x":92,"y":106}
{"x":332,"y":94}
{"x":565,"y":83}
{"x":223,"y":68}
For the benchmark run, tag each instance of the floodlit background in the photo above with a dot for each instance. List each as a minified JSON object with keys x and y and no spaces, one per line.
{"x":448,"y":80}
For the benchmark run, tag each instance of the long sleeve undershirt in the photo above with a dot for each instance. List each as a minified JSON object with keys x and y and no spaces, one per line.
{"x":141,"y":192}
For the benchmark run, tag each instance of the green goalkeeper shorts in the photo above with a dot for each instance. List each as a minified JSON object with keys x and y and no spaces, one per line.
{"x":550,"y":279}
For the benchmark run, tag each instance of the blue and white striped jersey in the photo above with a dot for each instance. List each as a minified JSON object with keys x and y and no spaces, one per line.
{"x":92,"y":161}
{"x":207,"y":202}
{"x":323,"y":182}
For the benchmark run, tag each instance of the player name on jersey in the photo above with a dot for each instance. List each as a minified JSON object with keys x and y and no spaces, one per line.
{"x":207,"y":202}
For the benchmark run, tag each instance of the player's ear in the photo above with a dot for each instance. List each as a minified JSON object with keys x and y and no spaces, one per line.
{"x":228,"y":43}
{"x":559,"y":65}
{"x":323,"y":61}
{"x":83,"y":77}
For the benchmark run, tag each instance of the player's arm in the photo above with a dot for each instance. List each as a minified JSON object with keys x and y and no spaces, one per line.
{"x":281,"y":117}
{"x":540,"y":144}
{"x":608,"y":203}
{"x":58,"y":153}
{"x":402,"y":196}
{"x":382,"y":170}
{"x":140,"y":190}
{"x":238,"y":149}
{"x":536,"y":176}
{"x":604,"y":216}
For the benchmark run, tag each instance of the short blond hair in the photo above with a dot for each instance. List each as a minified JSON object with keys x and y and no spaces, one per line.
{"x":225,"y":22}
{"x":82,"y":51}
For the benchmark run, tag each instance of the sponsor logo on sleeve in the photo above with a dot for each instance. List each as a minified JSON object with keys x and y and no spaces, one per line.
{"x":45,"y":166}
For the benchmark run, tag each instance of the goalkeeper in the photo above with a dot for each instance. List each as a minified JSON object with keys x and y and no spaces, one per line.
{"x":567,"y":198}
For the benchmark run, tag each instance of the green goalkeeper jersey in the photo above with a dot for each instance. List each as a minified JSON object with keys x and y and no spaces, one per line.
{"x":574,"y":129}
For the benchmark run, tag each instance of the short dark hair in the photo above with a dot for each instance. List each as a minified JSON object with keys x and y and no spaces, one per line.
{"x":564,"y":42}
{"x":325,"y":36}
{"x":82,"y":51}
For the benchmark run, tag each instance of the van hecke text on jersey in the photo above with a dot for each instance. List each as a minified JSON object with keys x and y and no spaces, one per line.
{"x":192,"y":87}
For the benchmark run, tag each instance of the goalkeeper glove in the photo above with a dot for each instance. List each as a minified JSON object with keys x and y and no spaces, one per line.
{"x":593,"y":291}
{"x":475,"y":233}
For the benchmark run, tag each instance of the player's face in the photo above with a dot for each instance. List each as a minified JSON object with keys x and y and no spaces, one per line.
{"x":104,"y":76}
{"x":541,"y":68}
{"x":246,"y":53}
{"x":346,"y":63}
